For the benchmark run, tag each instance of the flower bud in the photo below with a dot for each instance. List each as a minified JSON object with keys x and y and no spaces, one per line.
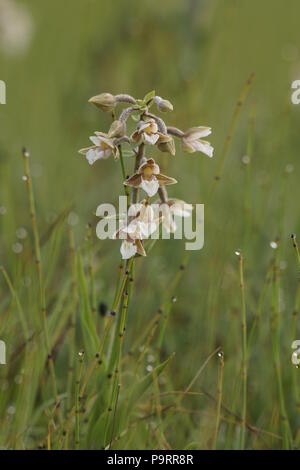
{"x":104,"y":101}
{"x":166,"y":144}
{"x":163,"y":106}
{"x":117,"y":129}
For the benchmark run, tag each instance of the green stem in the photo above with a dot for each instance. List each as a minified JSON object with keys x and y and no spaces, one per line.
{"x":73,"y":318}
{"x":116,"y":354}
{"x":219,"y":399}
{"x":276,"y":353}
{"x":91,"y":270}
{"x":77,"y":401}
{"x":244,"y":353}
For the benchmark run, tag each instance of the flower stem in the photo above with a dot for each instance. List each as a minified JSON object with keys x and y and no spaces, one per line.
{"x":116,"y":353}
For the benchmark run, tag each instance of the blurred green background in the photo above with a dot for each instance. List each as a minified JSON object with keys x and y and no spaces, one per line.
{"x":55,"y":55}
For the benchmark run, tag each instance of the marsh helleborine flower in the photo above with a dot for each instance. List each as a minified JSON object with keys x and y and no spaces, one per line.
{"x":147,"y":132}
{"x":149,"y":178}
{"x":103,"y":147}
{"x":139,"y":228}
{"x":192,"y":141}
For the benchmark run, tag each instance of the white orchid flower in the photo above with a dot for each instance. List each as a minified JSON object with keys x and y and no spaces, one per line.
{"x":102,"y":149}
{"x":192,"y":141}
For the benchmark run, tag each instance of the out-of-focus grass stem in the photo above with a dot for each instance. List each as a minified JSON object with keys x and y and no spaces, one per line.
{"x":244,"y":351}
{"x":91,"y":270}
{"x":77,"y":400}
{"x":276,"y":352}
{"x":226,"y":147}
{"x":219,"y":399}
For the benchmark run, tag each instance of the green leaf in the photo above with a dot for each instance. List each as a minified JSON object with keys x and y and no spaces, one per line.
{"x":149,"y":96}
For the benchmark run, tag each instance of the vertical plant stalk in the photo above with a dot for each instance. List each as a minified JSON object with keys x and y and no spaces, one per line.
{"x":244,"y":352}
{"x":99,"y":354}
{"x":247,"y":189}
{"x":73,"y":318}
{"x":295,"y":245}
{"x":91,"y":270}
{"x":219,"y":398}
{"x":276,"y":352}
{"x":226,"y":147}
{"x":114,"y":417}
{"x":138,"y":161}
{"x":77,"y":401}
{"x":40,"y":277}
{"x":116,"y":354}
{"x":294,"y":325}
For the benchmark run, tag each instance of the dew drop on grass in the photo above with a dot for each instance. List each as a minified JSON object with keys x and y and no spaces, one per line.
{"x":149,"y":368}
{"x":174,"y":299}
{"x":150,"y":358}
{"x":17,"y":248}
{"x":246,"y":159}
{"x":220,"y":354}
{"x":2,"y":210}
{"x":273,"y":245}
{"x":24,"y":178}
{"x":11,"y":410}
{"x":238,"y":253}
{"x":21,"y":233}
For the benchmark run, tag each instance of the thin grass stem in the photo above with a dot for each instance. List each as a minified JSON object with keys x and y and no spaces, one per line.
{"x":219,"y":398}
